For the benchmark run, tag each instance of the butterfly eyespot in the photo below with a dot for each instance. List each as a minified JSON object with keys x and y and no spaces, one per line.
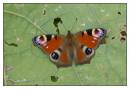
{"x":88,"y":51}
{"x":97,"y":32}
{"x":39,"y":40}
{"x":54,"y":56}
{"x":42,"y":38}
{"x":35,"y":42}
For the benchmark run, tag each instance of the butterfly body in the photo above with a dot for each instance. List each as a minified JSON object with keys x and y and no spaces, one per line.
{"x":64,"y":50}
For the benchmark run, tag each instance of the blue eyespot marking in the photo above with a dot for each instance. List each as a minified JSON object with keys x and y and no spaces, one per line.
{"x":35,"y":41}
{"x":54,"y":56}
{"x":88,"y":51}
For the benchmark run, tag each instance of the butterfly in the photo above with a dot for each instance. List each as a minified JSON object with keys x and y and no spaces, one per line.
{"x":78,"y":48}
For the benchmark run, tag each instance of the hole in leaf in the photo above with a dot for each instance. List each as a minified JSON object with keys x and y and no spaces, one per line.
{"x":113,"y":37}
{"x":119,"y":13}
{"x":44,"y":12}
{"x":55,"y":23}
{"x":54,"y":78}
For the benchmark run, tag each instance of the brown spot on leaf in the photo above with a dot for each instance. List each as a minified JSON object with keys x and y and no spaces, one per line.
{"x":113,"y":37}
{"x":119,"y":13}
{"x":123,"y":33}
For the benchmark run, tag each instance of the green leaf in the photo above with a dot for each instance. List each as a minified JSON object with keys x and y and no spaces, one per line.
{"x":25,"y":64}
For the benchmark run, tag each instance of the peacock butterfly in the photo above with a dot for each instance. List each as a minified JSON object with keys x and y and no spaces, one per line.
{"x":78,"y":48}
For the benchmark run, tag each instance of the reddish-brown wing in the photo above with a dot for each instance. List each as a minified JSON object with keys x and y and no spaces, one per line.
{"x":52,"y":45}
{"x":87,"y":42}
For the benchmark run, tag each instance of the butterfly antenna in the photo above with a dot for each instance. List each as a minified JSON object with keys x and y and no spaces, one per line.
{"x":74,"y":24}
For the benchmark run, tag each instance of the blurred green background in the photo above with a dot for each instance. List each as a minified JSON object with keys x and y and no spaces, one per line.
{"x":25,"y":64}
